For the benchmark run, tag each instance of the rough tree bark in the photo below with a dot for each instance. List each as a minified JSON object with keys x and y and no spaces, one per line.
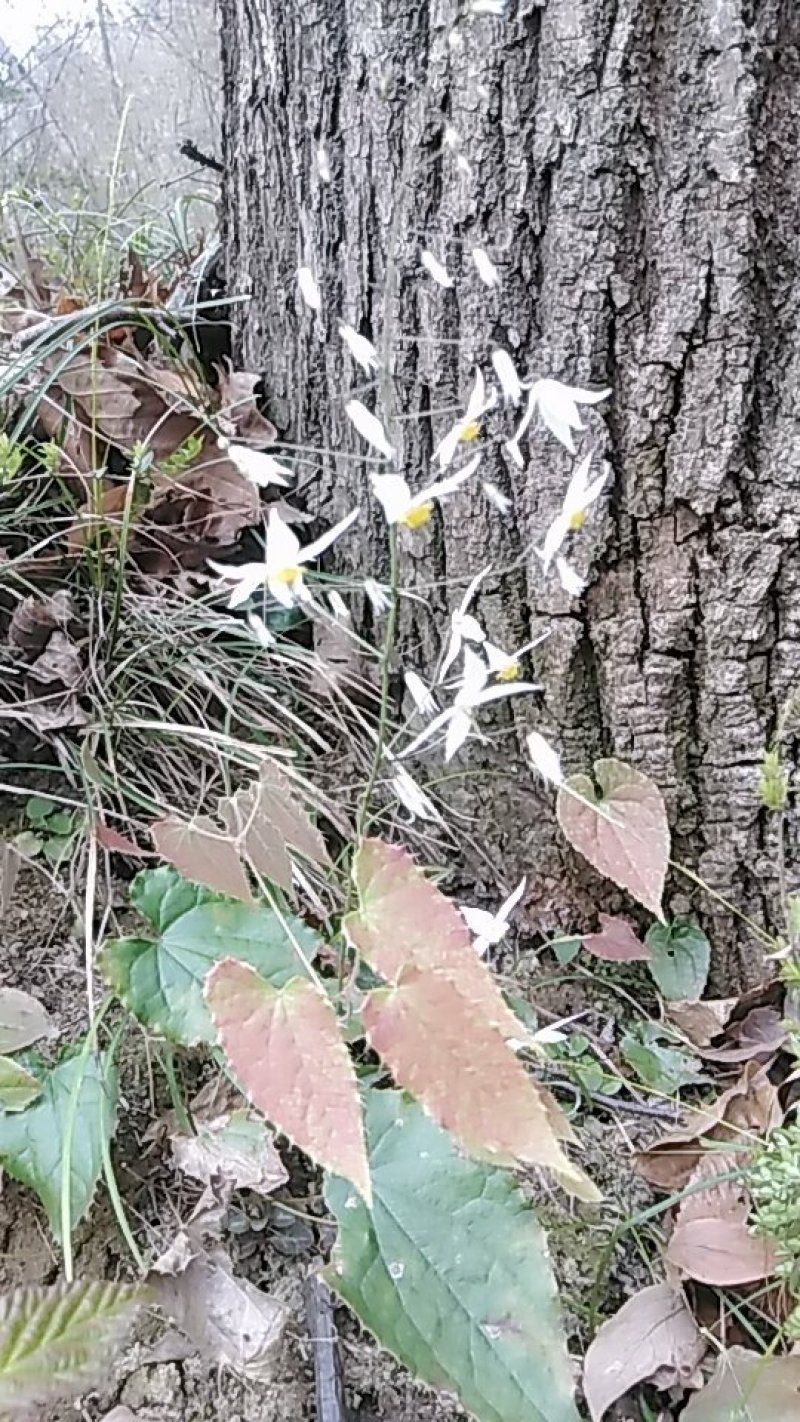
{"x":634,"y":172}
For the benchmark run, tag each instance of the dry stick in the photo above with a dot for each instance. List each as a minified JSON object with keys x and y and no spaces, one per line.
{"x":328,"y":1384}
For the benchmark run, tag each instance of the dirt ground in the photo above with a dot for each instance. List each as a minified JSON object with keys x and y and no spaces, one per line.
{"x":42,"y":953}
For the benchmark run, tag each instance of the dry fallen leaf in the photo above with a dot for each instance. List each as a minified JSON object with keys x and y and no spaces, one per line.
{"x":34,"y":619}
{"x":237,"y":1145}
{"x":747,"y":1387}
{"x":701,"y":1021}
{"x":758,"y":1035}
{"x":228,"y":1319}
{"x":23,"y":1020}
{"x":239,"y":413}
{"x":712,"y":1241}
{"x":749,"y":1108}
{"x":53,"y":682}
{"x":653,"y":1334}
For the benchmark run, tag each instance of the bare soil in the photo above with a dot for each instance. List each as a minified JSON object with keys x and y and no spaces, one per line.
{"x":42,"y":952}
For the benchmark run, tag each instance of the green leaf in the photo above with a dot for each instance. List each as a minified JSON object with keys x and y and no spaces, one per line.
{"x":38,"y":810}
{"x":60,"y":823}
{"x":449,"y":1270}
{"x":79,"y":1089}
{"x":566,"y":949}
{"x":28,"y":844}
{"x":665,"y":1069}
{"x":57,"y":848}
{"x":57,"y":1339}
{"x":161,"y":980}
{"x":18,"y":1087}
{"x":680,"y":955}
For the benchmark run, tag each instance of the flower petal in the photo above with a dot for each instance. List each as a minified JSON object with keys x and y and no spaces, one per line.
{"x":508,"y":905}
{"x":420,"y":694}
{"x":313,"y":550}
{"x":493,"y":494}
{"x":443,"y":487}
{"x":554,"y":539}
{"x":393,"y":495}
{"x":257,"y":466}
{"x":485,"y":267}
{"x":309,"y":290}
{"x":360,"y":348}
{"x":571,"y":581}
{"x":506,"y":373}
{"x":435,"y":269}
{"x":545,"y":759}
{"x":369,"y":427}
{"x":457,"y":732}
{"x":282,"y":545}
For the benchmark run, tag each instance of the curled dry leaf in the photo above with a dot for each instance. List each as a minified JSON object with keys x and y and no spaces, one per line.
{"x":622,"y":831}
{"x":653,"y":1336}
{"x":748,"y":1387}
{"x":712,"y":1241}
{"x":34,"y":619}
{"x":228,"y":1320}
{"x":239,"y":412}
{"x":616,"y":941}
{"x":749,"y":1108}
{"x":23,"y":1020}
{"x":237,"y":1146}
{"x":701,"y":1021}
{"x":52,"y":684}
{"x":757,"y":1036}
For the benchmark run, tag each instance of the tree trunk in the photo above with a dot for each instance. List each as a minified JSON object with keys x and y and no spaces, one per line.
{"x":632,"y":169}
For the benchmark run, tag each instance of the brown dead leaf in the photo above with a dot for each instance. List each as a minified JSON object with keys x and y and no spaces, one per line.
{"x":240,"y":416}
{"x":117,"y":843}
{"x":653,"y":1334}
{"x":236,"y":1145}
{"x":749,"y":1108}
{"x":229,"y":1320}
{"x":52,"y":685}
{"x":758,"y":1035}
{"x":749,"y":1388}
{"x":203,"y":853}
{"x":34,"y":619}
{"x":701,"y":1021}
{"x":712,"y":1241}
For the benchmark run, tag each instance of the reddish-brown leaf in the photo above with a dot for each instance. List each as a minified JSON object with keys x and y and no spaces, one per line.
{"x":749,"y":1387}
{"x":711,"y":1241}
{"x":702,"y":1021}
{"x":758,"y":1035}
{"x":202,"y":853}
{"x":287,"y":1052}
{"x":623,"y":831}
{"x":117,"y":843}
{"x":405,"y":921}
{"x":616,"y":941}
{"x":441,"y":1048}
{"x":652,"y":1336}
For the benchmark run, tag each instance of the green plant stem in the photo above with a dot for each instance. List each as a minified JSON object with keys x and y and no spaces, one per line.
{"x":182,"y":1113}
{"x":69,"y":1128}
{"x":766,"y":939}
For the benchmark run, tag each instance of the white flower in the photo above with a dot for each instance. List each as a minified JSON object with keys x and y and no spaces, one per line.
{"x":260,"y":631}
{"x":452,"y":137}
{"x":468,"y":427}
{"x":414,"y":510}
{"x":360,"y":348}
{"x":485,"y":267}
{"x":579,"y":497}
{"x":420,"y":694}
{"x":369,"y":427}
{"x":323,"y":164}
{"x":506,"y":373}
{"x":377,"y":595}
{"x":494,"y":495}
{"x":435,"y":269}
{"x":488,"y":7}
{"x":415,"y":800}
{"x":571,"y":581}
{"x":309,"y":290}
{"x":455,"y":40}
{"x":258,"y":467}
{"x":463,"y":627}
{"x":507,"y":666}
{"x":491,"y":928}
{"x":545,"y":759}
{"x":464,"y":166}
{"x":338,"y":606}
{"x":558,"y":407}
{"x":471,"y":695}
{"x":282,"y":568}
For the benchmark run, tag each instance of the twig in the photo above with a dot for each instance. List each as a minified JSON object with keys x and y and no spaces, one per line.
{"x":661,"y":1112}
{"x":328,"y":1385}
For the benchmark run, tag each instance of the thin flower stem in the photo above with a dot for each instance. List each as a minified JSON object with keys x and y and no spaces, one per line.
{"x":386,"y":669}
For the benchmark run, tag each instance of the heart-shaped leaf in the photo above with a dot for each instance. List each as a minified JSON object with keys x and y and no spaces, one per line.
{"x":680,"y":957}
{"x":449,"y":1269}
{"x":161,"y":980}
{"x":622,"y":830}
{"x":18,"y":1087}
{"x":23,"y":1020}
{"x":617,"y":942}
{"x":286,"y":1050}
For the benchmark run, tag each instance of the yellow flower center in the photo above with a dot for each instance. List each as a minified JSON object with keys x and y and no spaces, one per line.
{"x":577,"y":521}
{"x":418,"y":517}
{"x":470,"y":432}
{"x":512,"y":672}
{"x":288,"y":575}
